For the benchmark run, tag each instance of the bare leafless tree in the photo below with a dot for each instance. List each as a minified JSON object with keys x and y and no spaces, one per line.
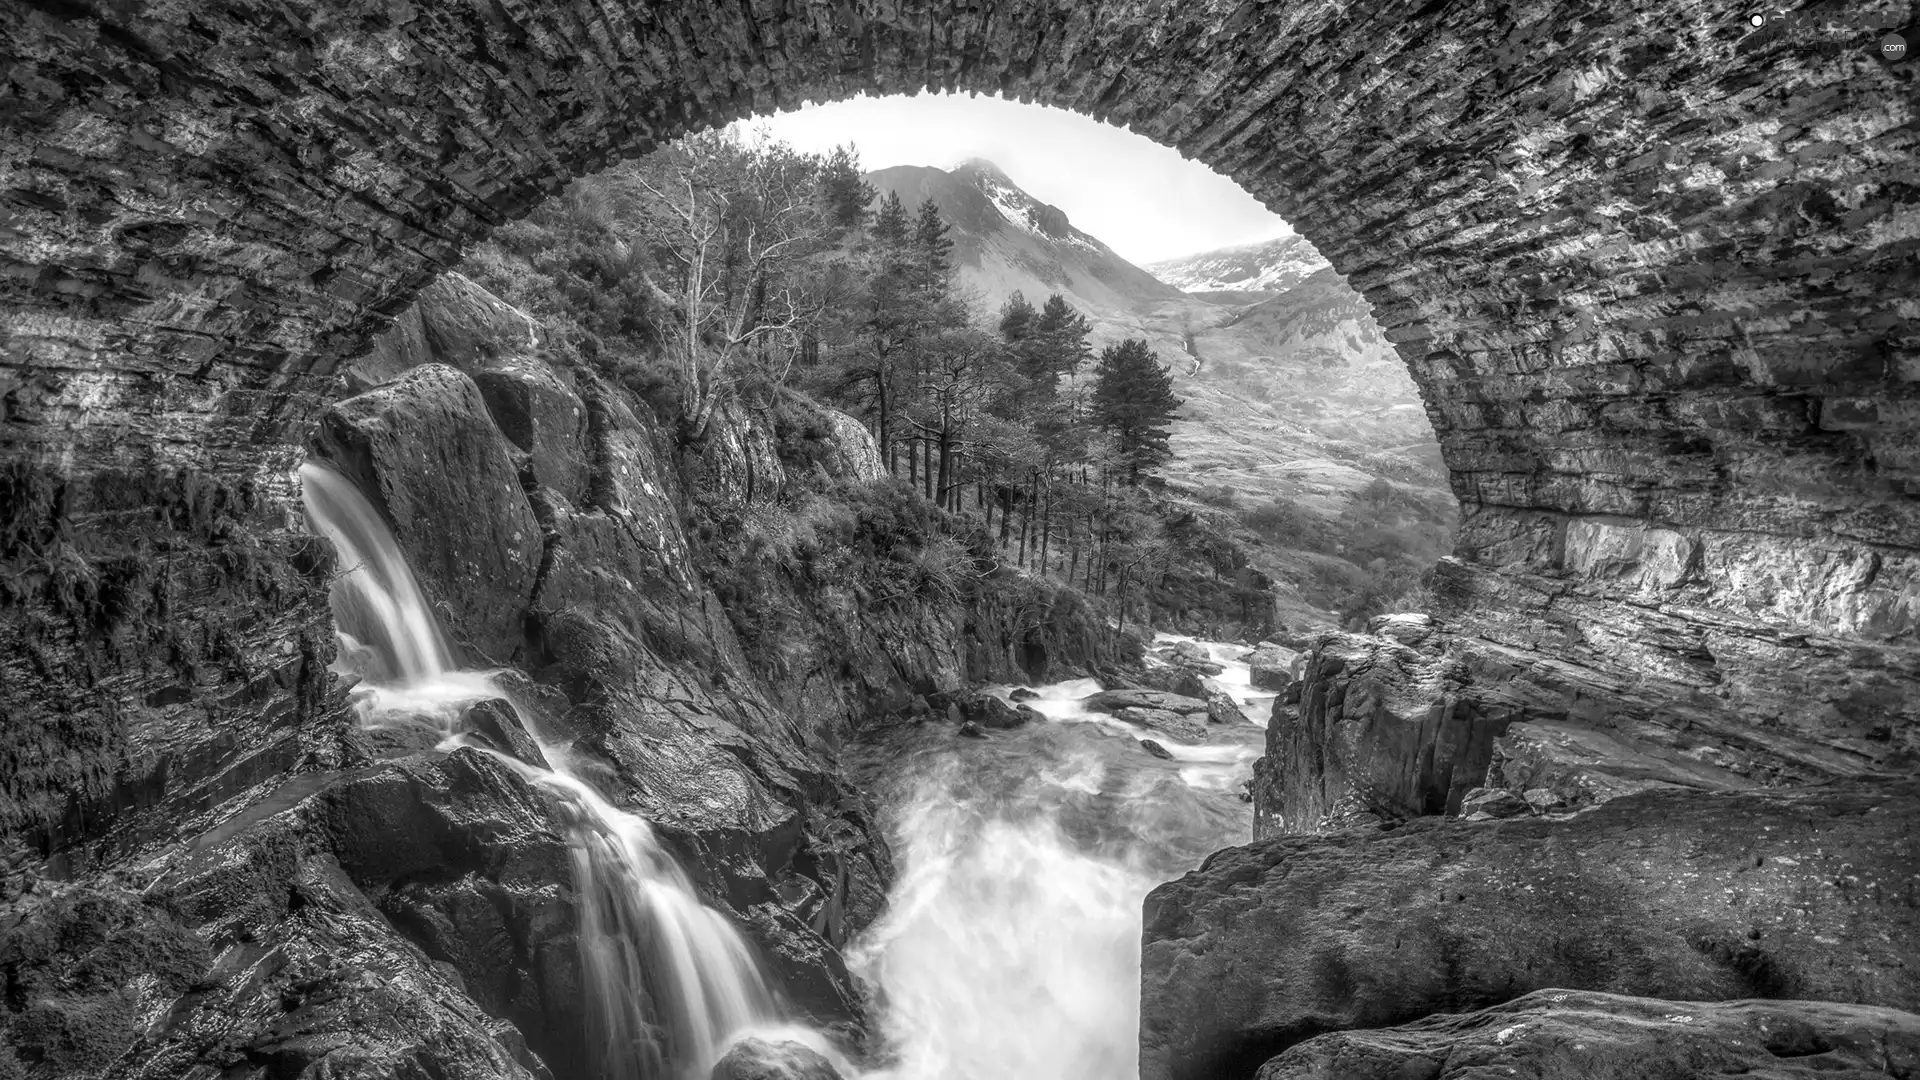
{"x":732,"y":219}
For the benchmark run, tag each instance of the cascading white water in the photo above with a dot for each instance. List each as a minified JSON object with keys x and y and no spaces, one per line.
{"x":377,"y":604}
{"x":1010,"y":949}
{"x":670,"y":982}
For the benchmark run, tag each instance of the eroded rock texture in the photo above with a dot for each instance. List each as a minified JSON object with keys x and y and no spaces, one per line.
{"x":1668,"y":894}
{"x":1651,"y":267}
{"x":1557,"y":1033}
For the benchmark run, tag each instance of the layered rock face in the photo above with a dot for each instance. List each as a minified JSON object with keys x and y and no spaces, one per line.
{"x":1647,"y":265}
{"x":1678,"y":895}
{"x":1553,"y":1033}
{"x":421,"y":915}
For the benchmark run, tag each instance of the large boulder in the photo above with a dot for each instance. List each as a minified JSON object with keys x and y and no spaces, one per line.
{"x":496,"y":724}
{"x":1172,"y":724}
{"x":1381,"y":728}
{"x":426,"y":450}
{"x":1669,"y":894}
{"x":1183,"y":681}
{"x":1272,"y":667}
{"x":453,"y":322}
{"x":1551,"y":1034}
{"x":992,"y":711}
{"x":1222,"y":709}
{"x":539,"y":413}
{"x":1115,"y":700}
{"x":1191,"y":652}
{"x":755,"y":1058}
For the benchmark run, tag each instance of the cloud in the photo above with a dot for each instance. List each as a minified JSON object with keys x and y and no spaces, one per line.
{"x":1143,"y":199}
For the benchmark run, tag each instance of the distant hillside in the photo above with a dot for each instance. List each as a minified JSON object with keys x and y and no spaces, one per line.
{"x":1005,"y":239}
{"x":1268,"y":266}
{"x":1291,"y":390}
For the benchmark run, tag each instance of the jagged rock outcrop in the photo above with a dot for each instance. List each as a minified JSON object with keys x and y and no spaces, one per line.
{"x":1557,"y":1033}
{"x":427,"y":449}
{"x":1378,"y":727}
{"x":1668,"y":894}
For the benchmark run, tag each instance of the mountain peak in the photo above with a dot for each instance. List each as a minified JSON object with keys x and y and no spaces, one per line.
{"x":980,"y":166}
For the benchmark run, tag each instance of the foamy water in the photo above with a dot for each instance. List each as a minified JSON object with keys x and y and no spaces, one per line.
{"x":1010,"y":949}
{"x":671,"y":982}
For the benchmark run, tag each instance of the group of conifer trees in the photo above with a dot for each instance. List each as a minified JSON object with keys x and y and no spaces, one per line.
{"x":717,"y":274}
{"x":1016,"y":420}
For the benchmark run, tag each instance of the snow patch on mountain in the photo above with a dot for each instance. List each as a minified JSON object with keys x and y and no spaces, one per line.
{"x":1267,"y":266}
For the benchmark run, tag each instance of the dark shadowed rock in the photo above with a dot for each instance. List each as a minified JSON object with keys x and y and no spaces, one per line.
{"x":972,"y":730}
{"x":992,"y":711}
{"x":496,"y":723}
{"x":544,"y":419}
{"x":425,"y":449}
{"x":1222,"y":709}
{"x":1671,"y":894}
{"x":1156,"y":749}
{"x":1554,"y":1034}
{"x":1381,"y":727}
{"x":1021,"y":693}
{"x":1176,"y":679}
{"x":760,"y":1059}
{"x":1482,"y":804}
{"x":1186,"y":728}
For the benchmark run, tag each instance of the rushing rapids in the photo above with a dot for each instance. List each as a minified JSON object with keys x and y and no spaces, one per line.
{"x":672,"y":983}
{"x":1011,"y":943}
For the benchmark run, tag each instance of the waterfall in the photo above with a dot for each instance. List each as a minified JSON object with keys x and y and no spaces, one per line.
{"x":1010,"y":947}
{"x":377,"y":605}
{"x":670,"y":982}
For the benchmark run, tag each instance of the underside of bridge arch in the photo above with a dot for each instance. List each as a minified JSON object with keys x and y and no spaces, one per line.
{"x":1653,"y":270}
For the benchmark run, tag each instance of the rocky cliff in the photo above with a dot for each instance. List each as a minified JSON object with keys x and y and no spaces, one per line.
{"x":548,"y":523}
{"x":1671,"y":894}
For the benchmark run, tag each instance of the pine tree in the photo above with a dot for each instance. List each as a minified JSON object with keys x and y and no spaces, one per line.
{"x":847,"y":196}
{"x":890,"y":225}
{"x":1062,"y":333}
{"x":1133,"y":400}
{"x":934,"y":248}
{"x":1016,"y":317}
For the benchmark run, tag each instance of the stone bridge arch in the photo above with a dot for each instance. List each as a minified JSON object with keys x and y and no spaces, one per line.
{"x":1653,"y":269}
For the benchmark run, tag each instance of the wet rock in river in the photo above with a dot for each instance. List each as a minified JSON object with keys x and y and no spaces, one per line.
{"x":495,"y":723}
{"x":1273,"y":667}
{"x":1168,"y":723}
{"x":1156,"y":749}
{"x":1556,"y":1033}
{"x":762,"y":1059}
{"x":1115,"y":700}
{"x":1222,"y":709}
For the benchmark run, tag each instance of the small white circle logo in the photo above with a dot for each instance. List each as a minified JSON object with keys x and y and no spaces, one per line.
{"x":1893,"y":47}
{"x":1758,"y":20}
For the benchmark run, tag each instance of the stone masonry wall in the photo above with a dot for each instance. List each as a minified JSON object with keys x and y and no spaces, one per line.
{"x":1652,"y":269}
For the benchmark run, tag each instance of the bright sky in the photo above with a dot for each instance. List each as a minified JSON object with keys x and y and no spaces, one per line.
{"x":1143,"y":199}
